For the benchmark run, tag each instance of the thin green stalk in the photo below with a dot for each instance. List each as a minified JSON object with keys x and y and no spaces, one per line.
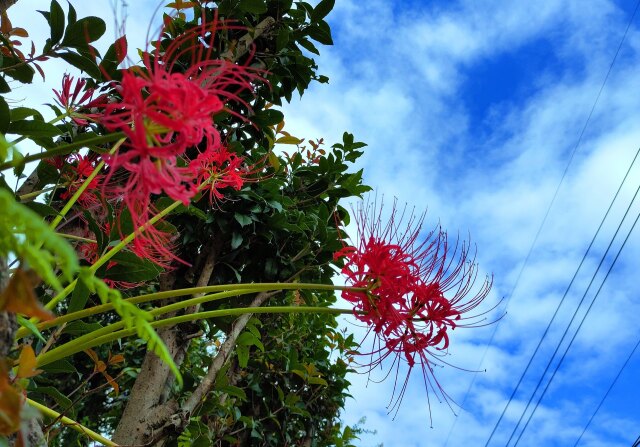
{"x":111,"y":253}
{"x":59,"y":353}
{"x":62,"y":150}
{"x":80,"y":341}
{"x":85,"y":184}
{"x":77,"y":238}
{"x":71,"y":423}
{"x":33,"y":194}
{"x":253,"y":287}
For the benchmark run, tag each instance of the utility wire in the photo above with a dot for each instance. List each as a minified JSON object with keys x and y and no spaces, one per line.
{"x":613,"y":61}
{"x":575,"y":313}
{"x":564,"y":296}
{"x":577,"y":330}
{"x":637,"y":443}
{"x":607,"y":393}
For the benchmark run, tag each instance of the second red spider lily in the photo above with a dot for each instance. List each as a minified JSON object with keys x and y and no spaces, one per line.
{"x":419,"y":289}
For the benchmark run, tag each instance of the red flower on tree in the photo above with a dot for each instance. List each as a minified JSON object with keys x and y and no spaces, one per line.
{"x":73,"y":96}
{"x":166,"y":110}
{"x":76,"y":169}
{"x":418,"y":289}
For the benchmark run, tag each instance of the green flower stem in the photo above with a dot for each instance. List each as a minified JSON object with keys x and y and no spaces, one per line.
{"x":77,"y":238}
{"x":63,"y":150}
{"x":70,"y":349}
{"x":33,"y":194}
{"x":61,"y":295}
{"x":82,"y":340}
{"x":55,"y":222}
{"x":111,"y":253}
{"x":71,"y":423}
{"x":253,"y":287}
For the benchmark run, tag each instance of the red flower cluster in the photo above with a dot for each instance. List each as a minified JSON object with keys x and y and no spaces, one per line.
{"x":74,"y":96}
{"x":417,"y":289}
{"x":78,"y":169}
{"x":167,"y":114}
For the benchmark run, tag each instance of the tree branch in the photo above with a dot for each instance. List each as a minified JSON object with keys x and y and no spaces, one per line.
{"x":6,"y":4}
{"x":153,"y":384}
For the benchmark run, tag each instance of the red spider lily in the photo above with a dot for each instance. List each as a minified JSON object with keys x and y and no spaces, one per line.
{"x":419,"y":288}
{"x":68,"y":98}
{"x":218,"y":169}
{"x":165,"y":110}
{"x":77,"y":169}
{"x":72,"y":98}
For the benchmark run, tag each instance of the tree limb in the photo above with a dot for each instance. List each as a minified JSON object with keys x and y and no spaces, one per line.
{"x":6,"y":4}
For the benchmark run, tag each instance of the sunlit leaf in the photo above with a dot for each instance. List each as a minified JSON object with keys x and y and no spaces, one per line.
{"x":27,"y":363}
{"x":10,"y":403}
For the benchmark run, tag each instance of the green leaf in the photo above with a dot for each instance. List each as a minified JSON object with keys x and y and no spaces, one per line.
{"x":253,"y":6}
{"x":21,"y":113}
{"x":282,"y":39}
{"x":17,"y":160}
{"x":307,"y":45}
{"x":4,"y":87}
{"x":79,"y":297}
{"x":233,"y":391}
{"x":131,"y":268}
{"x":242,"y":219}
{"x":322,"y":9}
{"x":82,"y":32}
{"x":249,"y":339}
{"x":79,"y":327}
{"x":320,"y":33}
{"x":42,"y":209}
{"x":31,"y":128}
{"x":201,"y":441}
{"x":47,"y":174}
{"x":243,"y":355}
{"x":115,"y":54}
{"x":274,"y":161}
{"x":30,"y":239}
{"x":59,"y":367}
{"x":5,"y":115}
{"x":22,"y":73}
{"x":236,"y":240}
{"x":317,"y":381}
{"x":72,"y":16}
{"x":63,"y":401}
{"x":82,"y":62}
{"x":291,"y":399}
{"x":269,"y":117}
{"x":22,"y":321}
{"x":56,"y":22}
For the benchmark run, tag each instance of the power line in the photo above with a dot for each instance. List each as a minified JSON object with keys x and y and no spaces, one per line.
{"x":566,"y":292}
{"x":607,"y":394}
{"x":637,"y":443}
{"x":577,"y":330}
{"x":615,"y":57}
{"x":575,"y":313}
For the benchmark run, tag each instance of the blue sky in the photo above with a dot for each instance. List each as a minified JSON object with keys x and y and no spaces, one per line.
{"x":472,"y":110}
